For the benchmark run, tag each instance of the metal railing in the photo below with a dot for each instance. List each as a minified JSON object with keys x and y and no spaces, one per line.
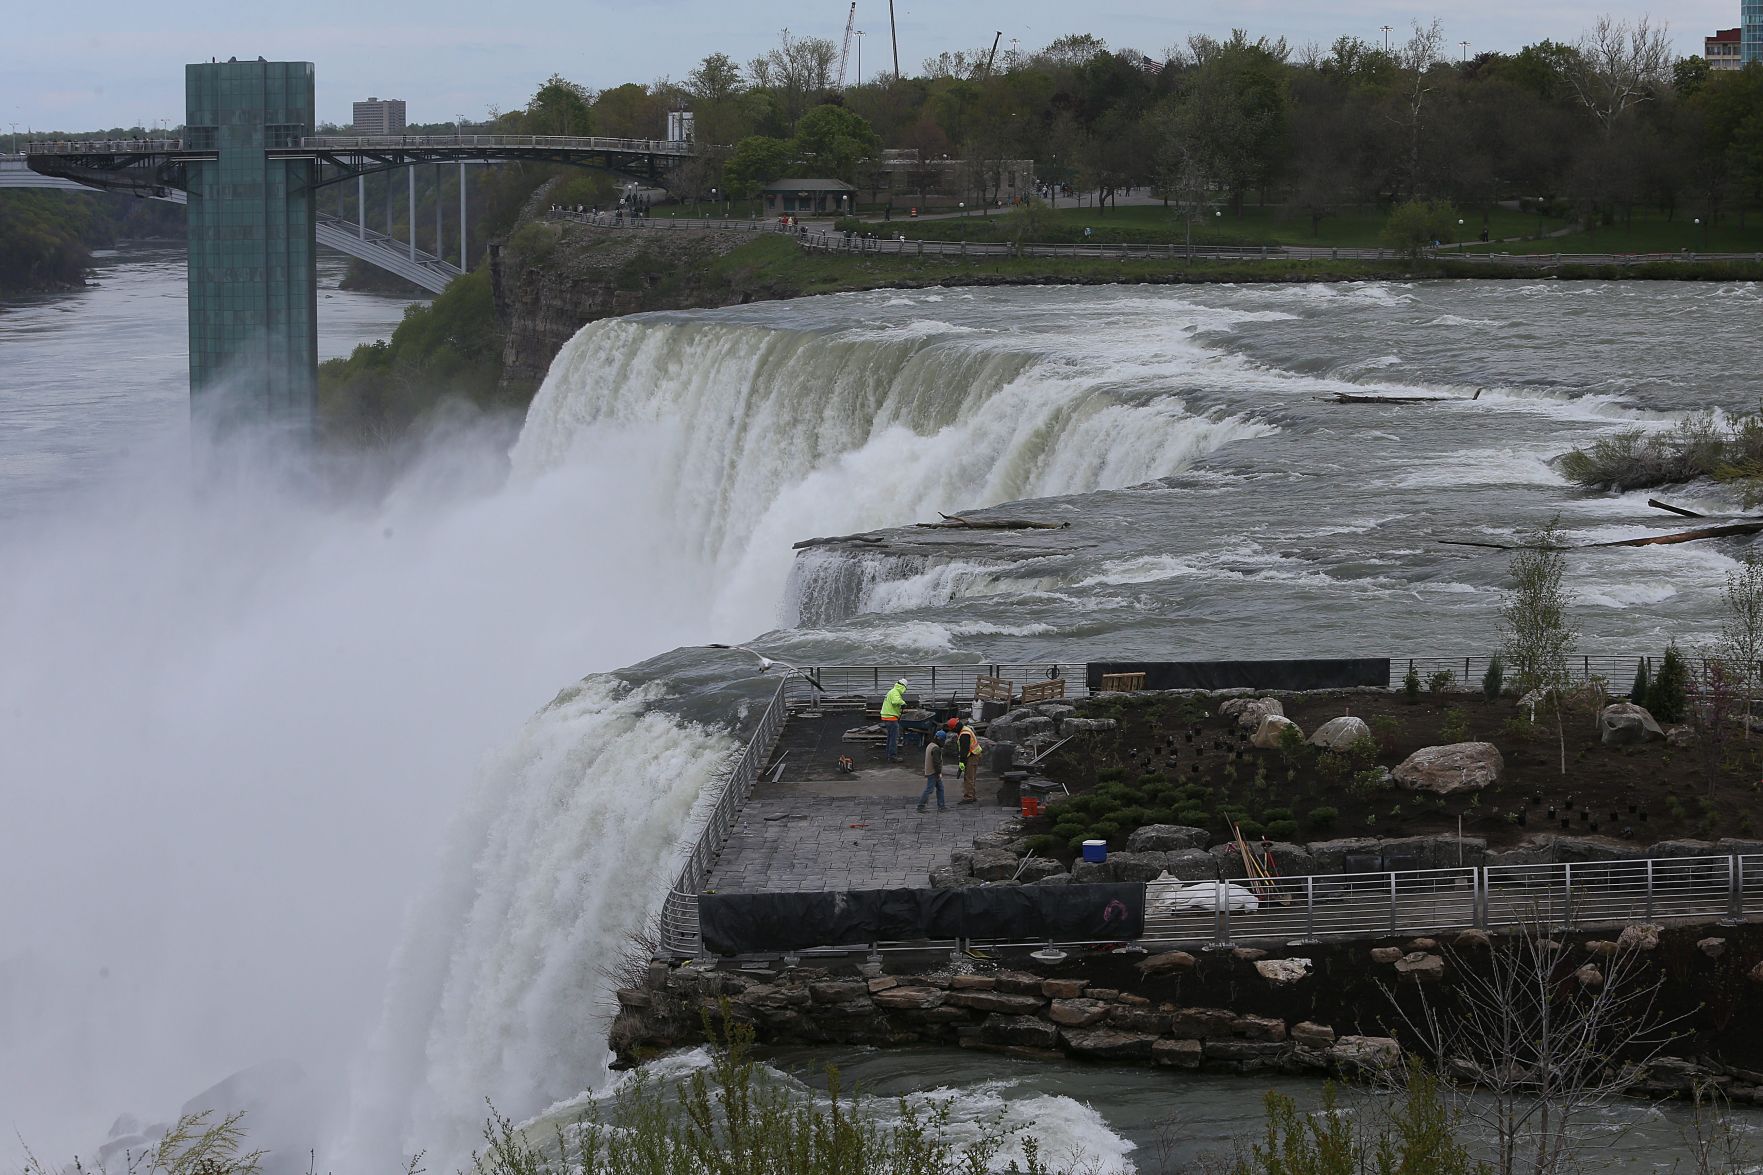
{"x":838,"y":242}
{"x":679,"y":913}
{"x":942,"y":681}
{"x":1371,"y":905}
{"x":527,"y":142}
{"x":611,"y":218}
{"x":102,"y":146}
{"x":1468,"y":671}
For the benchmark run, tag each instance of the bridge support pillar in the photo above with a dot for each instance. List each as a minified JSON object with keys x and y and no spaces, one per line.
{"x":253,"y":291}
{"x":464,"y":261}
{"x":410,"y":216}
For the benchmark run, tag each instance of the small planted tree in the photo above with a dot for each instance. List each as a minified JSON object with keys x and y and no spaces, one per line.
{"x":1537,"y":634}
{"x":1667,"y":694}
{"x":1741,"y":634}
{"x":1637,"y":693}
{"x":1494,"y":680}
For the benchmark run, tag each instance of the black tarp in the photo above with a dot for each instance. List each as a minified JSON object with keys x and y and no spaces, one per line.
{"x":1313,"y":673}
{"x":751,"y":923}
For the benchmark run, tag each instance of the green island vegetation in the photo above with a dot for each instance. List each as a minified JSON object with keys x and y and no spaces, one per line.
{"x":1728,"y":449}
{"x":47,"y":238}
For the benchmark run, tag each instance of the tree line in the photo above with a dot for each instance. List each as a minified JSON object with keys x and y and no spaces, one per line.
{"x":1598,"y":128}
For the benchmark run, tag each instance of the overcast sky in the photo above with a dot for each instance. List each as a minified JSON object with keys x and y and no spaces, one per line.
{"x":104,"y":63}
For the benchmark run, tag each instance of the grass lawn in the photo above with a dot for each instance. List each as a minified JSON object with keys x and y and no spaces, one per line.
{"x":1650,"y":233}
{"x":1359,"y":226}
{"x":775,"y":266}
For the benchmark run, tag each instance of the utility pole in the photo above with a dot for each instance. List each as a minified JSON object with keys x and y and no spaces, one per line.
{"x":1386,"y":38}
{"x":1465,"y":45}
{"x":895,"y":37}
{"x":859,"y":56}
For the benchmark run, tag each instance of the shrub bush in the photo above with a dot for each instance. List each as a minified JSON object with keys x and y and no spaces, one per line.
{"x":1637,"y":693}
{"x":1441,"y":681}
{"x":1045,"y":844}
{"x":1272,"y":814}
{"x":1282,"y":829}
{"x":1321,"y":818}
{"x":1411,"y":684}
{"x":1110,"y":774}
{"x":1194,"y":818}
{"x":1455,"y":727}
{"x":1250,"y":828}
{"x":1493,"y":682}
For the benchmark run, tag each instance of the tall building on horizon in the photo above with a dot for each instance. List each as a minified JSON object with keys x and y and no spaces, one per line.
{"x":380,"y":116}
{"x":1751,"y":22}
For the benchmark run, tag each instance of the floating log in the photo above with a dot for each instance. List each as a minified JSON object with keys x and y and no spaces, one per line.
{"x":1656,"y":504}
{"x":956,"y":522}
{"x":1352,"y":398}
{"x":1725,"y":530}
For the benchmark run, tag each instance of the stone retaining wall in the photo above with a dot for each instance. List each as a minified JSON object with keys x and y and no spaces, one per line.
{"x":1319,"y":1008}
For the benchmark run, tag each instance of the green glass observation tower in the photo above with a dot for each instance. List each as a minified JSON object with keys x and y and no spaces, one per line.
{"x":253,"y":288}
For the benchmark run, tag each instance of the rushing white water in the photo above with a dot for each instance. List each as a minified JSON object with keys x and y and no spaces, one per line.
{"x":761,"y":437}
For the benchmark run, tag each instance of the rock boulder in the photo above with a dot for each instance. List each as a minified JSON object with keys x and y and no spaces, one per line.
{"x":1337,"y":734}
{"x":1271,"y":729}
{"x":1623,"y":723}
{"x":1248,"y":712}
{"x":1448,"y":770}
{"x":1165,"y":838}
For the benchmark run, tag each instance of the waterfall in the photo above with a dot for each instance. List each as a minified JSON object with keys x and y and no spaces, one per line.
{"x":730,"y":442}
{"x":756,"y":438}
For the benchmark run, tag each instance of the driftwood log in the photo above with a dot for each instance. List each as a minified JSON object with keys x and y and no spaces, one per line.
{"x":1725,"y":530}
{"x":956,"y":522}
{"x":1351,"y":398}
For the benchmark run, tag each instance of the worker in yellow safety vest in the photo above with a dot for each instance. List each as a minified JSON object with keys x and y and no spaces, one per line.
{"x":890,"y":716}
{"x":967,"y":753}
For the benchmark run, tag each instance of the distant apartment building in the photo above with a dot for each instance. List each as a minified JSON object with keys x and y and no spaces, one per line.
{"x":1722,"y":50}
{"x":1751,"y":20}
{"x":380,"y":116}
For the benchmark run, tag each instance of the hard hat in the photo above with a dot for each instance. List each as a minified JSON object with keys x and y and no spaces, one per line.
{"x":942,"y":736}
{"x":902,"y":681}
{"x":954,"y":724}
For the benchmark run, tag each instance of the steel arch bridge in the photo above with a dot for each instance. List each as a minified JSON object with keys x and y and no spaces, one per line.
{"x":159,"y":169}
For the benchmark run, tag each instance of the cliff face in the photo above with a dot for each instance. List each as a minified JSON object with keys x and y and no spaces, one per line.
{"x":552,"y":278}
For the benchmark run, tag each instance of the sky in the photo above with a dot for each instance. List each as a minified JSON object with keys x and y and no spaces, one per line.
{"x":118,"y":62}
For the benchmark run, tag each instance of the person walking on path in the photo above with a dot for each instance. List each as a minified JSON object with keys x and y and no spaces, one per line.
{"x":967,"y":753}
{"x":933,"y":772}
{"x":890,"y":716}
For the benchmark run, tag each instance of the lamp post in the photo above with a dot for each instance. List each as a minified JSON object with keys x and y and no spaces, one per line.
{"x":1465,"y":45}
{"x":1702,"y":224}
{"x":1459,"y":234}
{"x":1386,"y":38}
{"x":859,"y":33}
{"x":713,"y":200}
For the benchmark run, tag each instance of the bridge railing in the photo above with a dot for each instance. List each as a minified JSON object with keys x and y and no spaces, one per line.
{"x":102,"y":146}
{"x":611,"y":218}
{"x":838,"y":242}
{"x":530,"y":142}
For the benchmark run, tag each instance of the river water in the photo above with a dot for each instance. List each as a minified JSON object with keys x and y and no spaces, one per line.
{"x":298,"y":777}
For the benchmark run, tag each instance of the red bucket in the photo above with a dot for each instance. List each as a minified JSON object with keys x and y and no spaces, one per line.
{"x":1031,"y":806}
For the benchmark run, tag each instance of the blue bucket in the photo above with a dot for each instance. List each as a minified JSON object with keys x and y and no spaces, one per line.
{"x":1095,"y":851}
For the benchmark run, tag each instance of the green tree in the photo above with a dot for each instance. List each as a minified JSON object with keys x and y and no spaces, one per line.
{"x":1538,"y":635}
{"x":1415,"y":227}
{"x":755,"y":162}
{"x":1668,"y":695}
{"x":1637,"y":693}
{"x":560,"y":107}
{"x":834,"y":142}
{"x":1741,"y":632}
{"x":630,"y":111}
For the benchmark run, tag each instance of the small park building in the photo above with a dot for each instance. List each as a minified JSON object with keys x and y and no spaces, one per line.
{"x":809,"y":197}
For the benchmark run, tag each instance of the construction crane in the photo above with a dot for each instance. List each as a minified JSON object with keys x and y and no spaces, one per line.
{"x":990,"y":57}
{"x":845,"y":52}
